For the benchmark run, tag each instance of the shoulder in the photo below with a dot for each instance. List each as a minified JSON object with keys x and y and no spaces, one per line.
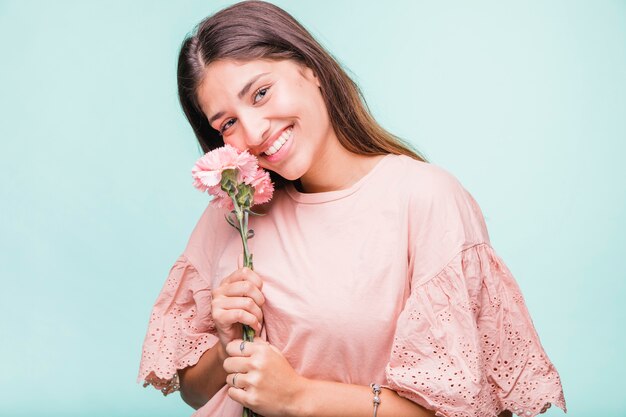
{"x":208,"y":237}
{"x":443,"y":218}
{"x":424,"y":181}
{"x":440,"y":208}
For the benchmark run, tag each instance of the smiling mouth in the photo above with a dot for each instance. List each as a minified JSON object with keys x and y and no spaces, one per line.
{"x":278,"y":143}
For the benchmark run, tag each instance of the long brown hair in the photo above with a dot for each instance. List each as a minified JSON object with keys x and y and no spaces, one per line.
{"x":255,"y":29}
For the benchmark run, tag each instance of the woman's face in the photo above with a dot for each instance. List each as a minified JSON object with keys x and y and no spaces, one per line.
{"x":274,"y":109}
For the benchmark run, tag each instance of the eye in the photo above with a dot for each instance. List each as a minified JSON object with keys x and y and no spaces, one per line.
{"x":259,"y":94}
{"x":226,"y":125}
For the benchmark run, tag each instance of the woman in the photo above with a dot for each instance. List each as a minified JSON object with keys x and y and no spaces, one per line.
{"x":371,"y":265}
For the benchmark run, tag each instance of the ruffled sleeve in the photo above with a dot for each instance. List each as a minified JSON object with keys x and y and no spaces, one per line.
{"x":181,"y":328}
{"x":465,"y":345}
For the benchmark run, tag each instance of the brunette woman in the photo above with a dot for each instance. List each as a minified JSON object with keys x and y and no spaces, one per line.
{"x":375,"y":289}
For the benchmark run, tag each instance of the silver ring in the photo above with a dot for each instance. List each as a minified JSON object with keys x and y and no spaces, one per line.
{"x":235,"y":380}
{"x":242,"y":346}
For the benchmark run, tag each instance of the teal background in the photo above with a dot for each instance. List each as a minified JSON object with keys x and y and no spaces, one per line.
{"x":525,"y":102}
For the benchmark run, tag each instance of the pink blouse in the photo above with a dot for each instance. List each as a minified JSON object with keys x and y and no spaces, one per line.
{"x":392,"y":280}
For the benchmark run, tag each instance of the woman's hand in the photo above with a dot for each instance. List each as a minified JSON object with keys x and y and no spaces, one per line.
{"x":261,"y":379}
{"x":238,"y":299}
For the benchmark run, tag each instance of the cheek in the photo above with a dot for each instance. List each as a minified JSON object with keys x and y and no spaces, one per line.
{"x":236,"y":142}
{"x":302,"y":100}
{"x":318,"y":113}
{"x":306,"y":106}
{"x":286,"y":105}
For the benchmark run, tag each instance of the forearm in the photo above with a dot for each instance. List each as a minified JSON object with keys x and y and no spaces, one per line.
{"x":325,"y":398}
{"x":199,"y":383}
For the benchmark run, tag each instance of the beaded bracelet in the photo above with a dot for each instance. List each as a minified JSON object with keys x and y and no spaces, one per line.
{"x":376,"y":390}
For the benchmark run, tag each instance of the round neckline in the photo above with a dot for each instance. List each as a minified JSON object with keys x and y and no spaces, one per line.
{"x":326,"y":196}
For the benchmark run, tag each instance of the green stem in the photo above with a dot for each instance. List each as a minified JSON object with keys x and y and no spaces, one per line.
{"x":242,"y":218}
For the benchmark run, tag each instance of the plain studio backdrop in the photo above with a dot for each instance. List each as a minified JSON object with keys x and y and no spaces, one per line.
{"x":525,"y":102}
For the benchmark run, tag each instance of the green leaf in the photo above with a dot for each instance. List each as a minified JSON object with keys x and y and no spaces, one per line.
{"x":229,"y":181}
{"x":231,"y":221}
{"x":245,"y":196}
{"x":248,"y":333}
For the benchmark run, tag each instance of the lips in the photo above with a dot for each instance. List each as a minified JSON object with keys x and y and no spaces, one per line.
{"x":278,"y":143}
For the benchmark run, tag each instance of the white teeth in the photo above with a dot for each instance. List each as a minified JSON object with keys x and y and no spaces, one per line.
{"x":275,"y":147}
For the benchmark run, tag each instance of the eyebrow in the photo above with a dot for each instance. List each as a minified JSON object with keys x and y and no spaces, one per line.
{"x":242,"y":93}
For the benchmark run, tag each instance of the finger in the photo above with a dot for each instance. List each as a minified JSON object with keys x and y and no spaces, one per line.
{"x":244,"y":274}
{"x":229,"y":317}
{"x":237,"y":380}
{"x":235,"y":364}
{"x":238,"y":395}
{"x":239,"y":303}
{"x":243,"y":289}
{"x":234,"y":276}
{"x":252,"y":276}
{"x":238,"y":347}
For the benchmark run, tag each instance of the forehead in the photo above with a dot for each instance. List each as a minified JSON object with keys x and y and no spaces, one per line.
{"x":230,"y":70}
{"x":224,"y":79}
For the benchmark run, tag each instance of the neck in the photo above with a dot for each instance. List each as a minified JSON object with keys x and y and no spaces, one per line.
{"x":338,"y":169}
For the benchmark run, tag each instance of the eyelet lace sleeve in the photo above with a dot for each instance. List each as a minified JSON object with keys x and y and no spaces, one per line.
{"x":181,"y":328}
{"x":465,"y":344}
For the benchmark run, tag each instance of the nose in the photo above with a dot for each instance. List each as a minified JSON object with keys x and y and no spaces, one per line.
{"x":255,"y":128}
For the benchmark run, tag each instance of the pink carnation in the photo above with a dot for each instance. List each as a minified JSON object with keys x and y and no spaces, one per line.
{"x":223,"y":202}
{"x":220,"y":198}
{"x":263,"y":187}
{"x":207,"y":175}
{"x":207,"y":172}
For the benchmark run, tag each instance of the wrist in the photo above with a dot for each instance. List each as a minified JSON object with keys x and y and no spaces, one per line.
{"x":301,"y":404}
{"x":221,"y":352}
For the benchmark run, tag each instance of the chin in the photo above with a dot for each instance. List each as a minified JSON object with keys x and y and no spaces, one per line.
{"x":292,"y":173}
{"x":290,"y":177}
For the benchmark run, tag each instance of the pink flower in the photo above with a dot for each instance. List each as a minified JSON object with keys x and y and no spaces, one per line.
{"x":207,"y":175}
{"x":207,"y":172}
{"x":263,"y":187}
{"x":223,"y":202}
{"x":220,"y":197}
